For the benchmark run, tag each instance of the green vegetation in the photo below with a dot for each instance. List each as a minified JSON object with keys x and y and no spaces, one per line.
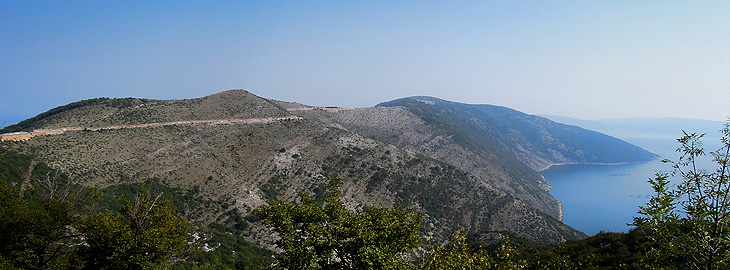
{"x":458,"y":254}
{"x":49,"y":222}
{"x":49,"y":225}
{"x":690,"y":224}
{"x":605,"y":250}
{"x":225,"y":250}
{"x":331,"y":237}
{"x":328,"y":236}
{"x":145,"y":234}
{"x":184,"y":200}
{"x":15,"y":167}
{"x":35,"y":226}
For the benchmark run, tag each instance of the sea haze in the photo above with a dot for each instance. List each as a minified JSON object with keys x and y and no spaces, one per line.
{"x":606,"y":197}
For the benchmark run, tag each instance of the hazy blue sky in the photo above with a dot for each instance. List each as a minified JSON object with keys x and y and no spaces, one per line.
{"x":585,"y":59}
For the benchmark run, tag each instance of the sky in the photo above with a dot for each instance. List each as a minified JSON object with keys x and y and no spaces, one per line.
{"x":583,"y":59}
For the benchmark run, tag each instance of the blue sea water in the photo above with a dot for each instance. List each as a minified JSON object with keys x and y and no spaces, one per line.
{"x":606,"y":197}
{"x":602,"y":197}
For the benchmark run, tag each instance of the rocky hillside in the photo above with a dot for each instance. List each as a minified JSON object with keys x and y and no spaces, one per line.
{"x":533,"y":140}
{"x":400,"y":127}
{"x":500,"y":146}
{"x":246,"y":163}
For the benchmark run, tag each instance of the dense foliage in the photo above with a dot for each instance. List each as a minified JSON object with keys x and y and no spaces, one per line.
{"x":331,"y":237}
{"x":328,"y":236}
{"x":48,"y":225}
{"x":459,"y":254}
{"x":49,"y":222}
{"x":145,"y":234}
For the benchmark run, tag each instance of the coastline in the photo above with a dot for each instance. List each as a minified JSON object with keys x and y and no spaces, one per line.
{"x":601,"y":198}
{"x":594,"y":163}
{"x":561,"y":215}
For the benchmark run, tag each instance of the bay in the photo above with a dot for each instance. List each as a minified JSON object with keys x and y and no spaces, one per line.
{"x":606,"y":197}
{"x":602,"y":197}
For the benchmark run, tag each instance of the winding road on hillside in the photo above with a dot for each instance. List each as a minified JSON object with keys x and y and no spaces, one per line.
{"x":22,"y":136}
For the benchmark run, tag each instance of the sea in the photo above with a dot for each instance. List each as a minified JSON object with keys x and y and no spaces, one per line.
{"x":599,"y":198}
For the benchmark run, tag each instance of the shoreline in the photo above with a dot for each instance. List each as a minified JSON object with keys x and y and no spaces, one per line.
{"x":561,"y":214}
{"x":594,"y":163}
{"x":549,"y":187}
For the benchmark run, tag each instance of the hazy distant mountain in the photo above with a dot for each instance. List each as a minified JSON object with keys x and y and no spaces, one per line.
{"x":655,"y":134}
{"x":668,"y":125}
{"x":465,"y":166}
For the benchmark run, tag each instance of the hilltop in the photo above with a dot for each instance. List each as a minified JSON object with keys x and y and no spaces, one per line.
{"x":461,"y":174}
{"x":102,"y":112}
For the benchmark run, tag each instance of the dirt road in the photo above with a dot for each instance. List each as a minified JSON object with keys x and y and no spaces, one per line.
{"x":22,"y":136}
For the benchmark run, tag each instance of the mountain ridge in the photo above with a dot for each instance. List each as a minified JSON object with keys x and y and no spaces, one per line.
{"x":428,"y":126}
{"x":504,"y":117}
{"x":99,"y":112}
{"x":246,"y":164}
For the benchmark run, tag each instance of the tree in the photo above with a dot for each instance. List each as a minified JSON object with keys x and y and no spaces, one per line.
{"x":146,"y":234}
{"x":329,"y":236}
{"x":697,"y":233}
{"x":37,"y":224}
{"x":457,"y":254}
{"x":48,"y":223}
